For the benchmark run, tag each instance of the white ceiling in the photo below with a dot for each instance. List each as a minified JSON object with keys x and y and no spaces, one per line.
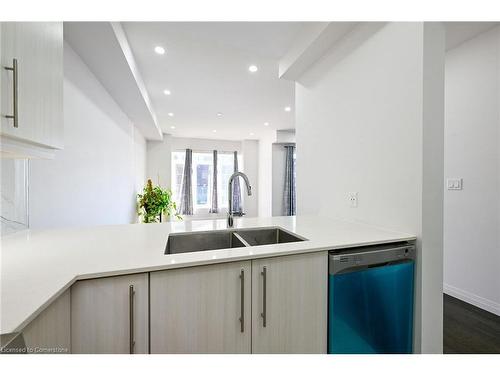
{"x":206,"y":69}
{"x":459,"y":32}
{"x":113,"y":65}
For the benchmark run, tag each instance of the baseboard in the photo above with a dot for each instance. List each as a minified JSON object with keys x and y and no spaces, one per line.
{"x":473,"y":299}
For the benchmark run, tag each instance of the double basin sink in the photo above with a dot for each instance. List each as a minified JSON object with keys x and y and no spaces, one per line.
{"x":225,"y":239}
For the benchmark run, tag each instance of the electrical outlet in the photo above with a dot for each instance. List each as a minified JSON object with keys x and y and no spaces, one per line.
{"x":353,"y":199}
{"x":454,"y":183}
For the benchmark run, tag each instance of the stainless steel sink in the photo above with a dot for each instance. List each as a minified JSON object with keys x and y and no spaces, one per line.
{"x":267,"y":236}
{"x":225,"y":239}
{"x":200,"y":241}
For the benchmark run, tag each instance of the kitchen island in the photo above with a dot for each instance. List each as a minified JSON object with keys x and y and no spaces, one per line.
{"x":39,"y":267}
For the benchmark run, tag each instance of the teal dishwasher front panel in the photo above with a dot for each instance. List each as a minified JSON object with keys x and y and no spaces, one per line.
{"x":371,"y":310}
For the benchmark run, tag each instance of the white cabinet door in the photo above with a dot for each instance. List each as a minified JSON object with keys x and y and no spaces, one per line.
{"x":38,"y":49}
{"x":110,"y":315}
{"x":289,"y":304}
{"x":198,"y":309}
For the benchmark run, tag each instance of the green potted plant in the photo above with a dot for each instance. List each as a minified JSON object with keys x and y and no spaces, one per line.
{"x":155,"y":201}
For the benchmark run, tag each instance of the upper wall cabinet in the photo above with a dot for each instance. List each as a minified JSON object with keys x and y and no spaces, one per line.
{"x":32,"y":85}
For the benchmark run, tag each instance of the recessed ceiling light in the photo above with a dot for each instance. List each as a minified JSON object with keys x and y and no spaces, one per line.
{"x":266,"y":124}
{"x":160,"y":50}
{"x":172,"y":127}
{"x":219,"y":114}
{"x":288,"y":109}
{"x":253,"y":68}
{"x":170,"y":114}
{"x":214,"y":131}
{"x":166,"y":92}
{"x":251,"y":133}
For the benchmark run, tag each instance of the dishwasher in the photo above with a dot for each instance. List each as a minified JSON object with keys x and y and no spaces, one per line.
{"x":370,"y":299}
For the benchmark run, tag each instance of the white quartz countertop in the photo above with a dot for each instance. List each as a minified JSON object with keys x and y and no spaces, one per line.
{"x":39,"y":265}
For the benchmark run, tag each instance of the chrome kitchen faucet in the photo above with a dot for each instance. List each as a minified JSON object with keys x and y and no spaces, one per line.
{"x":230,"y":195}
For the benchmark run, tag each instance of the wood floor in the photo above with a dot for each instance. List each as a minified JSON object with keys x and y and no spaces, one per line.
{"x":468,"y":329}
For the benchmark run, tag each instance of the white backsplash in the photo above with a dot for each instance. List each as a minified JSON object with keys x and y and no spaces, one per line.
{"x":15,"y":195}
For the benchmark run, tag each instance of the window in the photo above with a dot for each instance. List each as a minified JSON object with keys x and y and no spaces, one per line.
{"x":202,"y":178}
{"x":225,"y":168}
{"x":202,"y":181}
{"x":177,"y":173}
{"x":202,"y":184}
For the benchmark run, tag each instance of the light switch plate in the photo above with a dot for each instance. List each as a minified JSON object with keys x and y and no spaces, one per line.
{"x":353,"y":199}
{"x":454,"y":183}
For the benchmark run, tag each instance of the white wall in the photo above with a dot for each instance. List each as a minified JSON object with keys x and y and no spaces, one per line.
{"x":371,"y":121}
{"x":94,"y":180}
{"x":140,"y":158}
{"x":251,"y":167}
{"x":199,"y":144}
{"x":285,"y":136}
{"x":159,"y":161}
{"x":266,"y":174}
{"x":472,"y":152}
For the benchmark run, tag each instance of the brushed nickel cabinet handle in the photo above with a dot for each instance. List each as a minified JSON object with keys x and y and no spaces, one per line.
{"x":14,"y":115}
{"x":131,"y":293}
{"x":264,"y":299}
{"x":242,"y":302}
